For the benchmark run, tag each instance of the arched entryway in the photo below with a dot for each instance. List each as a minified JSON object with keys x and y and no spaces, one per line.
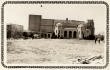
{"x":45,"y":35}
{"x":65,"y":34}
{"x":70,"y":34}
{"x":74,"y":34}
{"x":48,"y":35}
{"x":83,"y":34}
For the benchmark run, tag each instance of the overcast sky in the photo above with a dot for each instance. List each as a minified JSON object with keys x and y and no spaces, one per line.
{"x":19,"y":13}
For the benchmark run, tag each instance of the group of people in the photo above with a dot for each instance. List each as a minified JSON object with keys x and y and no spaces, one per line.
{"x":99,"y":38}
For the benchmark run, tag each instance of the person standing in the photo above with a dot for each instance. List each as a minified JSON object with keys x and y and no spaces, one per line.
{"x":95,"y":40}
{"x":99,"y":40}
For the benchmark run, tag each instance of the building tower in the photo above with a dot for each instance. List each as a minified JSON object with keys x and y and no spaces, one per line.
{"x":80,"y":35}
{"x":90,"y":25}
{"x":58,"y":30}
{"x":34,"y":23}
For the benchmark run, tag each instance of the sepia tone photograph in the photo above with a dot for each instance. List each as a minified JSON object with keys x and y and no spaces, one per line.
{"x":62,"y":34}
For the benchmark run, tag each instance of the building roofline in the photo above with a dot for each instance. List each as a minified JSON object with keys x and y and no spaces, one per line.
{"x":14,"y":24}
{"x":47,"y":19}
{"x":34,"y":15}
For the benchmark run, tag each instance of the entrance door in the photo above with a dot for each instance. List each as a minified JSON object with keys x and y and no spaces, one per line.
{"x":48,"y":35}
{"x":45,"y":35}
{"x":65,"y":34}
{"x":70,"y":34}
{"x":74,"y":34}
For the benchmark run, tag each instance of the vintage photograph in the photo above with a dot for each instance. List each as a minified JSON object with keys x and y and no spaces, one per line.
{"x":55,"y":34}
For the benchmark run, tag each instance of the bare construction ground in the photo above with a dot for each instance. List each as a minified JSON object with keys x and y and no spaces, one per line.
{"x":54,"y":51}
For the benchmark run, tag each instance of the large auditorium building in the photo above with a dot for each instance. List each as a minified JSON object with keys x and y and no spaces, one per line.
{"x":61,"y":28}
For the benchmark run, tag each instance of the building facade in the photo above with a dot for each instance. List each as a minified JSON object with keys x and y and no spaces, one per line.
{"x":67,"y":29}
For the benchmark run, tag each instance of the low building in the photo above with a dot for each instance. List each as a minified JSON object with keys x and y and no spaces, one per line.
{"x":14,"y":31}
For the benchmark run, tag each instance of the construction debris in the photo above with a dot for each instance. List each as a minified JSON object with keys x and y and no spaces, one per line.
{"x":88,"y":61}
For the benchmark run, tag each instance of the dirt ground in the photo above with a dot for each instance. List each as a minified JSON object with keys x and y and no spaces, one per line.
{"x":53,"y":51}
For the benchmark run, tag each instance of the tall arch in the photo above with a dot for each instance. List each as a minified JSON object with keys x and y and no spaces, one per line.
{"x":70,"y":34}
{"x":74,"y":34}
{"x":65,"y":34}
